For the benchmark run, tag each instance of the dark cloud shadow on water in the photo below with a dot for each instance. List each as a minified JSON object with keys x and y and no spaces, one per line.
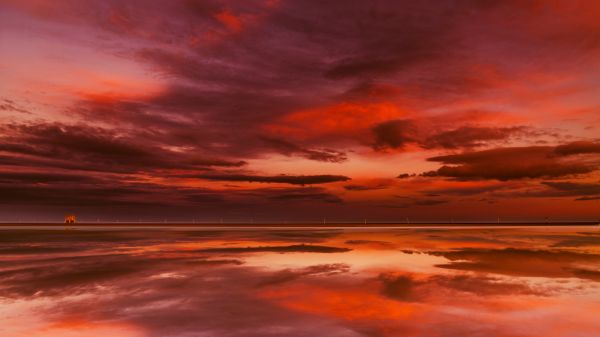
{"x":521,"y":262}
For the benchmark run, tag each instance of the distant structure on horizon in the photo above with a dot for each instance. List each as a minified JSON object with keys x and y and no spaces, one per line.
{"x":70,"y":218}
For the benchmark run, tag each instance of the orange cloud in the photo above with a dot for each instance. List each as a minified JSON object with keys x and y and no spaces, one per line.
{"x":345,"y":118}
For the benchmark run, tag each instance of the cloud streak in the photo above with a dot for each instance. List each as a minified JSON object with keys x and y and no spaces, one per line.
{"x":282,"y":179}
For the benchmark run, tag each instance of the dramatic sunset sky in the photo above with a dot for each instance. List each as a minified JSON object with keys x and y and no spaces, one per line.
{"x":299,"y":110}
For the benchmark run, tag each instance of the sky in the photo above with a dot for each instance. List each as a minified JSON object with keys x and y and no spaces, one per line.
{"x":299,"y":110}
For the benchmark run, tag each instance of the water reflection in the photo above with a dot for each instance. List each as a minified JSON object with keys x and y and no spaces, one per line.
{"x":324,"y":282}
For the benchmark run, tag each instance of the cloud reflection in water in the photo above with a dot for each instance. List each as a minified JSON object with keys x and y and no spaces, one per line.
{"x":418,"y":282}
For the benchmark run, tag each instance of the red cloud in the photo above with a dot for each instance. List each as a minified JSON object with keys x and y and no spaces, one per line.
{"x":513,"y":163}
{"x":230,"y":20}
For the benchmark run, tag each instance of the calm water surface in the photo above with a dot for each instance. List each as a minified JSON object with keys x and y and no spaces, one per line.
{"x":185,"y":282}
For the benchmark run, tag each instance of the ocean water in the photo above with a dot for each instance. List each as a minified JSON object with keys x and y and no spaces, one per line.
{"x":188,"y":282}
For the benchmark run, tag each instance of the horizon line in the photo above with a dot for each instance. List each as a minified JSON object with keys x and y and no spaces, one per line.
{"x":302,"y":223}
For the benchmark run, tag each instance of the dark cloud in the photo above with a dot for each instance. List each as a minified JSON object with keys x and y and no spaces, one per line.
{"x":283,"y":179}
{"x":35,"y":249}
{"x":430,"y":202}
{"x":278,"y":249}
{"x":44,"y":177}
{"x":369,"y":90}
{"x":94,"y":148}
{"x":365,"y":67}
{"x":580,"y":147}
{"x":109,"y":200}
{"x":308,"y":194}
{"x":11,"y":106}
{"x":288,"y":149}
{"x":466,"y":190}
{"x":587,"y":198}
{"x":510,"y":163}
{"x":77,"y":191}
{"x":567,"y":188}
{"x":77,"y":195}
{"x":389,"y":40}
{"x":395,"y":134}
{"x":409,"y":201}
{"x":46,"y":189}
{"x":355,"y":187}
{"x":367,"y":242}
{"x":587,"y":274}
{"x":469,"y":136}
{"x":546,"y":189}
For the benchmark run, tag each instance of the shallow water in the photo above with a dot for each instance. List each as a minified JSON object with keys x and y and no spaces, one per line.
{"x":184,"y":282}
